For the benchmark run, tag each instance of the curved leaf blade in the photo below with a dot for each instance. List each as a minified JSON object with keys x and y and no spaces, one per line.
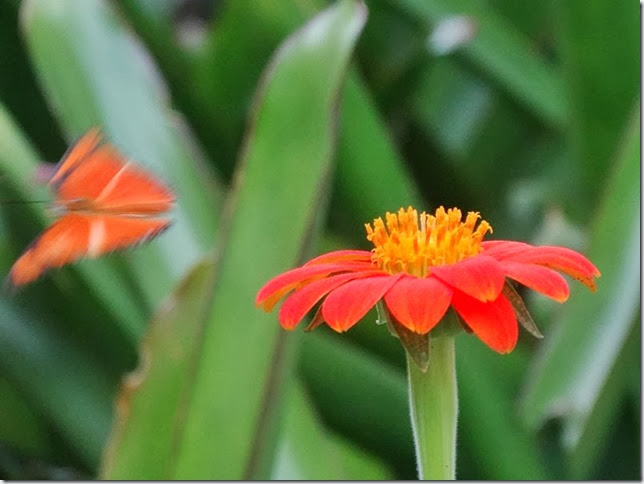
{"x":289,"y":145}
{"x":287,"y":157}
{"x":156,"y":394}
{"x":568,"y":377}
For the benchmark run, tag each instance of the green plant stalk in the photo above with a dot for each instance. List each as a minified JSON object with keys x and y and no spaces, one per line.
{"x":433,"y":403}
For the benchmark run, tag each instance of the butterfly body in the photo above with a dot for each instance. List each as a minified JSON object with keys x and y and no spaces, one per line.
{"x":108,"y":203}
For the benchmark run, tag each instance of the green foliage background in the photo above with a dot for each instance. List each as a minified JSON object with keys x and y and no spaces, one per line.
{"x":284,"y":126}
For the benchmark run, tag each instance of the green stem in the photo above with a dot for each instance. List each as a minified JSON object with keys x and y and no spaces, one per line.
{"x":434,"y":406}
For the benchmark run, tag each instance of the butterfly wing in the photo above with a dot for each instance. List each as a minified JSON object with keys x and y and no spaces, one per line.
{"x":101,"y":180}
{"x":74,"y":236}
{"x":76,"y":154}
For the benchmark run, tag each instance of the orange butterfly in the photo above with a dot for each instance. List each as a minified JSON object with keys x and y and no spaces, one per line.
{"x":108,"y":203}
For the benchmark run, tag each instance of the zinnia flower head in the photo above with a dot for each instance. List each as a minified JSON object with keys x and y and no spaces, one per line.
{"x":421,"y":266}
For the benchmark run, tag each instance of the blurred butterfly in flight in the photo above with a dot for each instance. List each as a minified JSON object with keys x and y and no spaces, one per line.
{"x":107,"y":203}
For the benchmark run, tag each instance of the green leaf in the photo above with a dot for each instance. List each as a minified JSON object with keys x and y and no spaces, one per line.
{"x":600,"y":104}
{"x":61,"y":378}
{"x":487,"y":388}
{"x":18,"y":161}
{"x":473,"y":127}
{"x":287,"y":157}
{"x":307,"y":450}
{"x":235,"y":384}
{"x":18,"y":91}
{"x":504,"y":54}
{"x":213,"y":83}
{"x":156,"y":394}
{"x":236,"y":51}
{"x":372,"y":177}
{"x":20,"y":426}
{"x":359,"y":395}
{"x":576,"y":360}
{"x":584,"y":459}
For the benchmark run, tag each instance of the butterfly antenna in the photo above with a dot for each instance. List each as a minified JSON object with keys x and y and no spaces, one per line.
{"x":16,"y":202}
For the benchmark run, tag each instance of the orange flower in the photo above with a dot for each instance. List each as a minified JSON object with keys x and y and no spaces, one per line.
{"x":421,"y":266}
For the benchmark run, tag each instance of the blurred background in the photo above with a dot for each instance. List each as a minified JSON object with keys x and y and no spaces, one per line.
{"x":284,"y":126}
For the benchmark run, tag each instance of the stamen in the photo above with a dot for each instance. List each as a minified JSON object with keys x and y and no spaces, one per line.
{"x":409,"y":244}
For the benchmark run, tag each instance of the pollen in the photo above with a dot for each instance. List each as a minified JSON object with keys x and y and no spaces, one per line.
{"x":412,"y":244}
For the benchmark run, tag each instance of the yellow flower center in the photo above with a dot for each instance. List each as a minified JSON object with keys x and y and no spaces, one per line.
{"x":412,"y":244}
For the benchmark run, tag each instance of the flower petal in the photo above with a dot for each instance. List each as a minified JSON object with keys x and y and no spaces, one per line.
{"x":494,"y":322}
{"x":301,"y":301}
{"x":341,"y":256}
{"x":418,"y":303}
{"x":277,"y":287}
{"x":479,"y":276}
{"x":347,"y":304}
{"x":500,"y":249}
{"x":539,"y":278}
{"x":561,"y":259}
